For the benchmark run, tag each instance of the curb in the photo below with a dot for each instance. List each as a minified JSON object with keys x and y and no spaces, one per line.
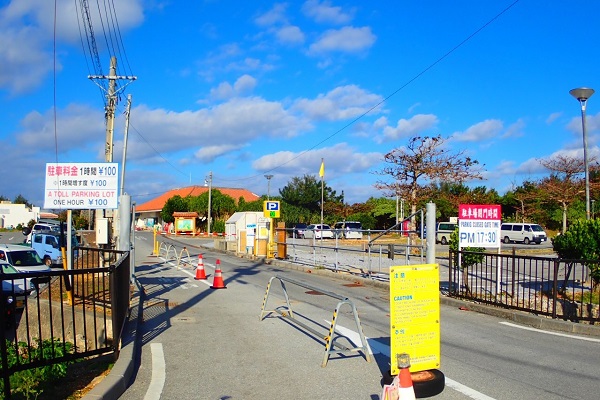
{"x":112,"y":386}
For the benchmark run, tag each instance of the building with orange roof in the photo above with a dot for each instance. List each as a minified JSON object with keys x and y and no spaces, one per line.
{"x":148,"y":213}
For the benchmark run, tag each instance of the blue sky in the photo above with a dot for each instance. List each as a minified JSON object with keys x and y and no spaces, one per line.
{"x":248,"y":88}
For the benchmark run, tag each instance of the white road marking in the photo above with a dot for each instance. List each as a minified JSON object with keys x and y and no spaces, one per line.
{"x":379,"y":347}
{"x":192,"y":274}
{"x":158,"y":372}
{"x":467,"y":391}
{"x":528,"y":328}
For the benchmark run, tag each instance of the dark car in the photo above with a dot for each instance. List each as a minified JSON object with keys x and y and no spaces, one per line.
{"x":298,"y":230}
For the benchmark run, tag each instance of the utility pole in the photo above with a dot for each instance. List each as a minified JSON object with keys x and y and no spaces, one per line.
{"x":102,"y":216}
{"x":111,"y":106}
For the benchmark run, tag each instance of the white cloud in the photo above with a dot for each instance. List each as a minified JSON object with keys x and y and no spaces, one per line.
{"x":76,"y":126}
{"x":340,"y":159}
{"x":408,"y":127}
{"x":482,"y":130}
{"x":553,"y":117}
{"x":515,"y":129}
{"x":290,"y":35}
{"x":275,"y":15}
{"x":243,"y":85}
{"x":340,"y":103}
{"x":324,"y":12}
{"x":345,"y":40}
{"x":27,"y":33}
{"x":209,"y":153}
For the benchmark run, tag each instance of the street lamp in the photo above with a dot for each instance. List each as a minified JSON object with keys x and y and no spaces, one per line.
{"x":582,"y":95}
{"x":268,"y":176}
{"x":208,"y":182}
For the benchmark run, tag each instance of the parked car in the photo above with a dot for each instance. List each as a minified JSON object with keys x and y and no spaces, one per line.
{"x":348,"y":230}
{"x":24,"y":259}
{"x":16,"y":289}
{"x":298,"y":230}
{"x":522,"y":232}
{"x":318,"y":231}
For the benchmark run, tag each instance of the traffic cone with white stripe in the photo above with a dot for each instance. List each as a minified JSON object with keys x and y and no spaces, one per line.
{"x":218,"y":279}
{"x":200,"y":272}
{"x":405,"y":385}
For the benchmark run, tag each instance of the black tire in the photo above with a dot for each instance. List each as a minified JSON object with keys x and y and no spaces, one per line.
{"x":506,"y":240}
{"x":526,"y":240}
{"x":426,"y":383}
{"x":48,"y":261}
{"x":444,"y":241}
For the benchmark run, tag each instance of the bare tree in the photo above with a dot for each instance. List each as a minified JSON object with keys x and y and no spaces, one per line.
{"x":425,"y":160}
{"x":564,"y":185}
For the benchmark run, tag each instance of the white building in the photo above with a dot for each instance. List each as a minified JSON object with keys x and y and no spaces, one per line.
{"x":12,"y":215}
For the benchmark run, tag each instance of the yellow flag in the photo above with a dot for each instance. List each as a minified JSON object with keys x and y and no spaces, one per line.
{"x":322,"y":170}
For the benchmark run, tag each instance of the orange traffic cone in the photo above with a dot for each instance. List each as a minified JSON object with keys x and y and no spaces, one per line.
{"x":218,"y":279}
{"x":405,"y":385}
{"x":200,"y":272}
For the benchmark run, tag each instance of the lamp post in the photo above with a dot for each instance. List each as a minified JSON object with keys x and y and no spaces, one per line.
{"x":208,"y":182}
{"x":582,"y":95}
{"x":268,"y":176}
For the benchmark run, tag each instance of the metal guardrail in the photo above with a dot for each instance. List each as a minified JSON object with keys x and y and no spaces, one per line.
{"x":554,"y":287}
{"x":330,"y":342}
{"x":339,"y":255}
{"x":80,"y":311}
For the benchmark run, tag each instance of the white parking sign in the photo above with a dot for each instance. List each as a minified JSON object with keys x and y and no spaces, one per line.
{"x":81,"y":186}
{"x":479,"y":225}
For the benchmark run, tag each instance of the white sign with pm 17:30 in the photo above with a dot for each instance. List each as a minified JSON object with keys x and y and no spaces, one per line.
{"x":479,"y":225}
{"x":81,"y":186}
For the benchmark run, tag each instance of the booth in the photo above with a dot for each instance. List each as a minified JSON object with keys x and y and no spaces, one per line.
{"x":249,"y":230}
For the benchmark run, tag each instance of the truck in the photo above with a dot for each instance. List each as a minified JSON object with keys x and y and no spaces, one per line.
{"x":47,"y":245}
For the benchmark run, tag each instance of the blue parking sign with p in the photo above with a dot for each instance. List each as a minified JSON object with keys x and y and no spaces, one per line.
{"x":271,"y":209}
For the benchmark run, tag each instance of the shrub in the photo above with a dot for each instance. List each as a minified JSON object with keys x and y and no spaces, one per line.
{"x":29,"y":383}
{"x":581,"y":241}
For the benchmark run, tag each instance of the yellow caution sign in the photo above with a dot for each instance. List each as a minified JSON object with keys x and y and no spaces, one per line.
{"x":415,"y":316}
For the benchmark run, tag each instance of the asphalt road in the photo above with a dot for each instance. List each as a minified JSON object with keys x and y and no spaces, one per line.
{"x":199,"y":342}
{"x":203,"y":343}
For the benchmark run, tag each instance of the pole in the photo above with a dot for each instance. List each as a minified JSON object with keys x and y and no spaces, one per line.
{"x":209,"y":201}
{"x":322,"y":190}
{"x":397,"y":198}
{"x":269,"y":176}
{"x":127,"y":112}
{"x":585,"y":160}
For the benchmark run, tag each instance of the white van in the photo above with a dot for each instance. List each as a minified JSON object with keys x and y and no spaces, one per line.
{"x":443,"y":231}
{"x":524,"y":233}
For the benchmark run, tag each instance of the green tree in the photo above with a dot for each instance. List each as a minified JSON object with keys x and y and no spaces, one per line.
{"x":581,"y":242}
{"x":21,"y":200}
{"x":305,"y":194}
{"x":221,"y":205}
{"x":471,"y":256}
{"x":174,"y":204}
{"x":243,"y":205}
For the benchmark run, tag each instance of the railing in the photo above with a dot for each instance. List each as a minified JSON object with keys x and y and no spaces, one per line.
{"x":332,"y":346}
{"x":549,"y":286}
{"x":78,"y":313}
{"x":370,"y":256}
